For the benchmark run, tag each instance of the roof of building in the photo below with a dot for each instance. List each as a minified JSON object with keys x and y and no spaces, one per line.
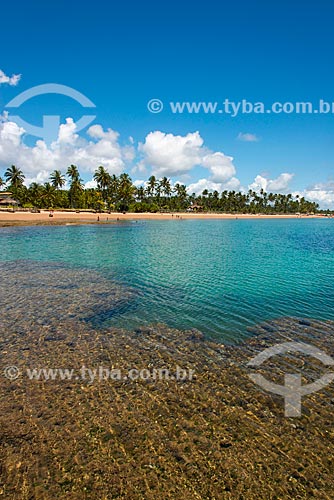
{"x":8,"y":201}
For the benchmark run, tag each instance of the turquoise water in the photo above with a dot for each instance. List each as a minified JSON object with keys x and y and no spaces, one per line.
{"x":219,"y":276}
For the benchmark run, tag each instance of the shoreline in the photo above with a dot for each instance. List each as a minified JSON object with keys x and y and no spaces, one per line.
{"x":8,"y":219}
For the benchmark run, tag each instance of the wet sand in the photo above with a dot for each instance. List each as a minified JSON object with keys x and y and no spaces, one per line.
{"x":61,"y":218}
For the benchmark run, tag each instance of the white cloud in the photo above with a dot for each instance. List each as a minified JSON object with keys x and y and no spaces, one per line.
{"x":139,"y":168}
{"x":220,"y":166}
{"x":162,"y":154}
{"x":170,"y":154}
{"x":10,"y":80}
{"x":102,"y":149}
{"x":66,"y":133}
{"x":129,"y":153}
{"x":140,"y":183}
{"x":198,"y":187}
{"x":97,"y":132}
{"x":232,"y":184}
{"x":247,"y":137}
{"x":40,"y":178}
{"x":90,"y":184}
{"x":322,"y":193}
{"x":175,"y":155}
{"x":280,"y":184}
{"x":10,"y":138}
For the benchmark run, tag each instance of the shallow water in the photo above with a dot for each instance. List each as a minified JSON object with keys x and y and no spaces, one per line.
{"x":220,"y":276}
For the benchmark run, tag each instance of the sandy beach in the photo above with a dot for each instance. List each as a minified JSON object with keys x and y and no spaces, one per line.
{"x":60,"y":218}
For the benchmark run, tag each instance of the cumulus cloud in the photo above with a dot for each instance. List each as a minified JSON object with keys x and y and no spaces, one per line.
{"x":220,"y":166}
{"x":198,"y":187}
{"x":161,"y":154}
{"x":66,"y":133}
{"x":40,"y":178}
{"x":247,"y":137}
{"x":37,"y":161}
{"x":280,"y":184}
{"x":91,"y":184}
{"x":322,"y":193}
{"x":164,"y":154}
{"x":170,"y":154}
{"x":140,"y":168}
{"x":10,"y":80}
{"x":176,"y":155}
{"x":140,"y":183}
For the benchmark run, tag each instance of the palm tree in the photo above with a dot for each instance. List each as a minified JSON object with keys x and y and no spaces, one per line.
{"x":140,"y":193}
{"x":73,"y":173}
{"x":204,"y":200}
{"x":35,"y":194}
{"x":165,"y":187}
{"x":103,"y":179}
{"x":151,"y":186}
{"x":125,"y":190}
{"x":181,"y":194}
{"x":15,"y":177}
{"x":158,"y":193}
{"x":272,"y":197}
{"x":120,"y":192}
{"x":113,"y":190}
{"x":76,"y":184}
{"x":48,"y":195}
{"x":57,"y":179}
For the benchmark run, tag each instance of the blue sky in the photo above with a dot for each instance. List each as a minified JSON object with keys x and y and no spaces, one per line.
{"x":122,"y":55}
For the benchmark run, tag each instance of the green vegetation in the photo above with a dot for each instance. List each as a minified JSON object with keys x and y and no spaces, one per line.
{"x":120,"y":194}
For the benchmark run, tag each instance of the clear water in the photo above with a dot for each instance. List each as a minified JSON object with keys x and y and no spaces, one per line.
{"x":219,"y":276}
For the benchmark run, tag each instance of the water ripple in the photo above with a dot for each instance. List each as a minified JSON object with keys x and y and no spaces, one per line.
{"x":218,"y":276}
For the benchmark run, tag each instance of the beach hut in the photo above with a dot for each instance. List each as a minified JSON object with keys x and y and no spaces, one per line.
{"x":195,"y":208}
{"x":6,"y":199}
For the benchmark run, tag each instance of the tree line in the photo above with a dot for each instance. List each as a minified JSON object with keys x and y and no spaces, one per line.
{"x":118,"y":193}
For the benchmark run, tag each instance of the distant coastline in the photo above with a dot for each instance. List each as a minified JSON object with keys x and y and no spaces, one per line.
{"x":62,"y":218}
